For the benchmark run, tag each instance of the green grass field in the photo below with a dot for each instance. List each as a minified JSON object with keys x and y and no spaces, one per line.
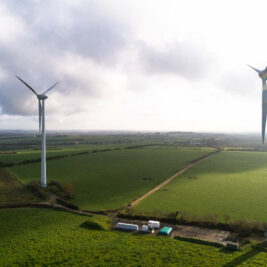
{"x":232,"y":183}
{"x":110,"y":180}
{"x":40,"y":237}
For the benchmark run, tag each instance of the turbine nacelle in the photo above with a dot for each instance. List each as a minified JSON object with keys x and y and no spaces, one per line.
{"x":42,"y":97}
{"x":262,"y":73}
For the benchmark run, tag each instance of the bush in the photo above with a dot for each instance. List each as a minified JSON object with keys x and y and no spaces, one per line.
{"x":244,"y":227}
{"x":68,"y":189}
{"x":35,"y":188}
{"x":64,"y":191}
{"x":54,"y":189}
{"x":55,"y":183}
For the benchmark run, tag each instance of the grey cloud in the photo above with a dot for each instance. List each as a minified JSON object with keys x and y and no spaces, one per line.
{"x":185,"y":60}
{"x":53,"y":31}
{"x":85,"y":28}
{"x":15,"y":103}
{"x":60,"y":33}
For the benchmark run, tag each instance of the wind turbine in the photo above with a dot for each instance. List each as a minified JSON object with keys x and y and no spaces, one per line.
{"x":41,"y":104}
{"x":263,"y":76}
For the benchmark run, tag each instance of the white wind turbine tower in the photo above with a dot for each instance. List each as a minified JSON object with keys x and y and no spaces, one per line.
{"x":41,"y":99}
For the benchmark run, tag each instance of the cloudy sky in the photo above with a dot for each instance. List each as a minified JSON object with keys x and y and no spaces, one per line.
{"x":133,"y":65}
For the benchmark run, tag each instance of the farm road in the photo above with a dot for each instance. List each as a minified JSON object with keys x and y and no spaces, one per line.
{"x":190,"y":165}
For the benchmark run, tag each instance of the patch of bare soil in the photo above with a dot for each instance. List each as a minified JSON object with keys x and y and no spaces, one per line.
{"x":212,"y":235}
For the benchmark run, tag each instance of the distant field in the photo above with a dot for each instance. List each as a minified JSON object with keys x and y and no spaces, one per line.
{"x":19,"y":156}
{"x":12,"y":191}
{"x":40,"y":237}
{"x":232,"y":183}
{"x":30,"y":141}
{"x":110,"y":180}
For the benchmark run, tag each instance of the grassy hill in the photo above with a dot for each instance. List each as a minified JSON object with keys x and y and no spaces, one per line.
{"x":12,"y":191}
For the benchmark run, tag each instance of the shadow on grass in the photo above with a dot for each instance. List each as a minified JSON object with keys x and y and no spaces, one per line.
{"x":248,"y":255}
{"x":92,"y":225}
{"x":199,"y":241}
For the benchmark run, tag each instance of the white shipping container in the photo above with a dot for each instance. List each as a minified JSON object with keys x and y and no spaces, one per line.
{"x":127,"y":226}
{"x":154,"y":224}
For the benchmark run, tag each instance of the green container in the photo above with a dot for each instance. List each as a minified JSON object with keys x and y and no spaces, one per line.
{"x":166,"y":230}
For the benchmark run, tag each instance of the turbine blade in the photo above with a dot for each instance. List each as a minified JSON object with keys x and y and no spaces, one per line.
{"x":51,"y":88}
{"x":27,"y":85}
{"x":40,"y":114}
{"x":254,"y":69}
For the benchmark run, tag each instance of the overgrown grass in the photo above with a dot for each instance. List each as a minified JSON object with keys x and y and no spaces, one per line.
{"x":229,"y":183}
{"x":110,"y":180}
{"x":32,"y":237}
{"x":12,"y":191}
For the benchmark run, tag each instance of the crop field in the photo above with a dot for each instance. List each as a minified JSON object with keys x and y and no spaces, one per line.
{"x":228,"y":183}
{"x":110,"y":180}
{"x":12,"y":191}
{"x":47,"y":237}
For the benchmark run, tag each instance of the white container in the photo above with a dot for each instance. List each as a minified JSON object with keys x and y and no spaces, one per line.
{"x":154,"y":224}
{"x":145,"y":228}
{"x":127,"y":226}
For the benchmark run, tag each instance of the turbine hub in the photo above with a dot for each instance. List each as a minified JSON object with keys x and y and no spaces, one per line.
{"x":42,"y":97}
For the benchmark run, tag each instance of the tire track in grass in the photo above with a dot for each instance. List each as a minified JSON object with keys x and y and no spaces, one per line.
{"x":188,"y":166}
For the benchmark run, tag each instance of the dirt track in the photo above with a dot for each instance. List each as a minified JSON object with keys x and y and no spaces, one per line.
{"x":190,"y":165}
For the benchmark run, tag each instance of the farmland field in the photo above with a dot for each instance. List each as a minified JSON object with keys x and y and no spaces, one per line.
{"x":47,"y":237}
{"x":110,"y":180}
{"x":229,"y":183}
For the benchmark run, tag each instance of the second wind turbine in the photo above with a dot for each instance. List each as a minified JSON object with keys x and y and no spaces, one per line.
{"x":41,"y":104}
{"x":263,"y":76}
